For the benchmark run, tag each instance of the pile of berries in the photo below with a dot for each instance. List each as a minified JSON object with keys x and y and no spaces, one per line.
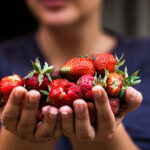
{"x":75,"y":80}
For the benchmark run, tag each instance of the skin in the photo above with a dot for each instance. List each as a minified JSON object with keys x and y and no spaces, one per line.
{"x":74,"y":29}
{"x":22,"y":127}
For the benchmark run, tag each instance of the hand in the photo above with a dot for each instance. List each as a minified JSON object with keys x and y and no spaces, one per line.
{"x":23,"y":124}
{"x":82,"y":131}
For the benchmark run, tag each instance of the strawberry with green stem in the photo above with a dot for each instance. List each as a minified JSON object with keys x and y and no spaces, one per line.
{"x":107,"y":61}
{"x":74,"y":68}
{"x":38,"y":79}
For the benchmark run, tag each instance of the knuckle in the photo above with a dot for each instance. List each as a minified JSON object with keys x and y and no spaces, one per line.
{"x":7,"y":117}
{"x":28,"y":106}
{"x":84,"y":137}
{"x":104,"y":117}
{"x":26,"y":124}
{"x":46,"y":135}
{"x":67,"y":133}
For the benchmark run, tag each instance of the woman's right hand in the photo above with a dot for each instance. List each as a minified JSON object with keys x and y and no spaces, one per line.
{"x":23,"y":124}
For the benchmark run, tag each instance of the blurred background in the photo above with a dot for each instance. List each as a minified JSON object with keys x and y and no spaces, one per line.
{"x":127,"y":17}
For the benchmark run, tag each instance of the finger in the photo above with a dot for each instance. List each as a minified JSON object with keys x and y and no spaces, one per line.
{"x":58,"y":129}
{"x":84,"y":131}
{"x":67,"y":122}
{"x":132,"y":101}
{"x":1,"y":110}
{"x":27,"y":120}
{"x":105,"y":116}
{"x":45,"y":130}
{"x":11,"y":111}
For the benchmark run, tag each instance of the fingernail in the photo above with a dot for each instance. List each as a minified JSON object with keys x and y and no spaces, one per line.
{"x":132,"y":93}
{"x":33,"y":97}
{"x":44,"y":110}
{"x":79,"y":108}
{"x":19,"y":94}
{"x":53,"y":112}
{"x":97,"y":89}
{"x":65,"y":114}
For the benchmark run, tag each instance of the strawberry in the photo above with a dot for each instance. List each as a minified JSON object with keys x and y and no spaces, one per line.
{"x":85,"y":84}
{"x":57,"y":82}
{"x":76,"y":67}
{"x":114,"y":84}
{"x":115,"y":104}
{"x":56,"y":75}
{"x":63,"y":95}
{"x":92,"y":112}
{"x":38,"y":79}
{"x":107,"y":61}
{"x":8,"y":83}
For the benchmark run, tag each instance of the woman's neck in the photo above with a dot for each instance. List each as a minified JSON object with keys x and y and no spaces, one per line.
{"x":83,"y":38}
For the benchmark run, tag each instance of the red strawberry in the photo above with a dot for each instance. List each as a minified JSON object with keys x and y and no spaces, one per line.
{"x":63,"y":95}
{"x":76,"y":67}
{"x":92,"y":112}
{"x":115,"y":104}
{"x":85,"y":84}
{"x":114,"y":84}
{"x":56,"y":75}
{"x":57,"y":82}
{"x":8,"y":83}
{"x":107,"y":61}
{"x":38,"y":79}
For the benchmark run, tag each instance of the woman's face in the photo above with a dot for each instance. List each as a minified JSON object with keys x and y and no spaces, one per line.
{"x":62,"y":12}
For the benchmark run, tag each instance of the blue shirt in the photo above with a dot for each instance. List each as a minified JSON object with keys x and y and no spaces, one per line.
{"x":15,"y":57}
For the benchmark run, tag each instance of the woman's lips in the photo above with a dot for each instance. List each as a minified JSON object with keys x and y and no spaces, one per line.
{"x":54,"y":3}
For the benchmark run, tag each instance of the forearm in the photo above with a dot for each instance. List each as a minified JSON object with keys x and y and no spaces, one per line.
{"x":119,"y":141}
{"x":9,"y":141}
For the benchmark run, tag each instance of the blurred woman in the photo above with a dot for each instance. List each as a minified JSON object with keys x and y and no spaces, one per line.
{"x":68,"y":28}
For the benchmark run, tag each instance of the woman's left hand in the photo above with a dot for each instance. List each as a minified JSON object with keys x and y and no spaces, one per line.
{"x":81,"y":129}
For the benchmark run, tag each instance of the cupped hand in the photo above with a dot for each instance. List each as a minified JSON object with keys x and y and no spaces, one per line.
{"x":80,"y":128}
{"x":23,"y":123}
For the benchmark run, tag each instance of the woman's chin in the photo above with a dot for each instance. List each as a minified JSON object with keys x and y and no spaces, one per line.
{"x":59,"y":19}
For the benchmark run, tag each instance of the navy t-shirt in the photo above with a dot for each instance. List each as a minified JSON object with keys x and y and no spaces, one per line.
{"x":15,"y":57}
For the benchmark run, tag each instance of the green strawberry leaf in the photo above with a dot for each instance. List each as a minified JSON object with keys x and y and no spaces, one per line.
{"x":95,"y":79}
{"x":49,"y":88}
{"x":121,"y":63}
{"x":122,"y":92}
{"x":121,"y":57}
{"x":105,"y":78}
{"x":120,"y":72}
{"x":40,"y":78}
{"x":44,"y":92}
{"x":126,"y":82}
{"x":126,"y":72}
{"x":117,"y":59}
{"x":37,"y":62}
{"x":45,"y":66}
{"x":30,"y":74}
{"x":36,"y":68}
{"x":49,"y":77}
{"x":135,"y":73}
{"x":47,"y":99}
{"x":48,"y":70}
{"x":136,"y":82}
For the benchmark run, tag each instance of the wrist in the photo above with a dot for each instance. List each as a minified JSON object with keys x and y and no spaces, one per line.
{"x":119,"y":140}
{"x":10,"y":141}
